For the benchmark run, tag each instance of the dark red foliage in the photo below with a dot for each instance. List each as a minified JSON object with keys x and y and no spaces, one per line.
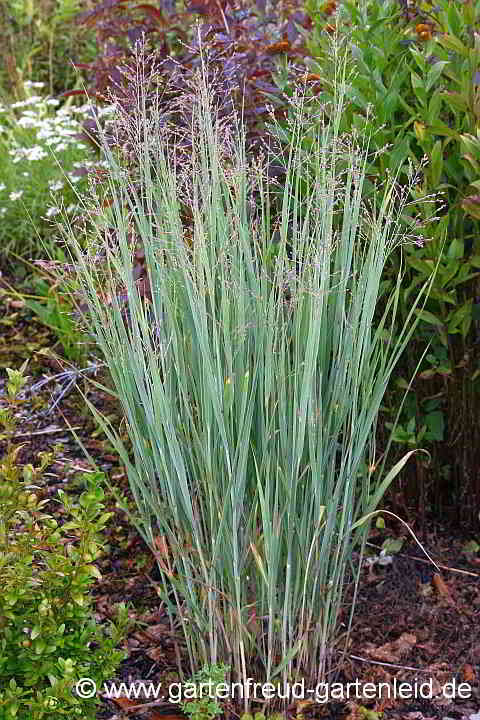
{"x":242,"y":44}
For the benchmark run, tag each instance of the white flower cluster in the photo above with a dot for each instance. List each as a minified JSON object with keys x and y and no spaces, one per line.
{"x":53,"y":132}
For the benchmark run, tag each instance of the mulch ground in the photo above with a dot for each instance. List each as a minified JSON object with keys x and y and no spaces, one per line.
{"x":413,"y":623}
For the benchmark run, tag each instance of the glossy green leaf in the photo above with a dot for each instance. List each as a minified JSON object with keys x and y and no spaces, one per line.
{"x":392,"y":545}
{"x":455,"y":249}
{"x":429,"y":318}
{"x":434,"y":107}
{"x":455,"y":100}
{"x":418,"y":87}
{"x":436,"y":163}
{"x":440,"y":128}
{"x":460,"y":319}
{"x":449,"y":42}
{"x":434,"y":73}
{"x":426,"y":267}
{"x":437,"y":293}
{"x":454,"y":20}
{"x":435,"y":423}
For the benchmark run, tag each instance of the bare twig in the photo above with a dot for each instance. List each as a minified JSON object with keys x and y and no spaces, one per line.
{"x":426,"y":562}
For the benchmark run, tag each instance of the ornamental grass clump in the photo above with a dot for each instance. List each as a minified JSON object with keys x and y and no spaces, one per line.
{"x":250,"y":374}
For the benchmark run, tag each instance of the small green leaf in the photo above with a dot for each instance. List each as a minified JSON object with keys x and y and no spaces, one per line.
{"x":417,"y":86}
{"x":434,"y":73}
{"x":426,"y":267}
{"x":454,"y":20}
{"x":436,"y":163}
{"x":95,"y":571}
{"x":79,"y":599}
{"x":392,"y":545}
{"x":427,"y":374}
{"x":456,"y":249}
{"x":459,"y":318}
{"x":39,"y":646}
{"x":449,"y":42}
{"x":455,"y":100}
{"x":440,"y":128}
{"x":12,"y":708}
{"x":443,"y":295}
{"x":429,"y":317}
{"x":434,"y":107}
{"x":435,"y":423}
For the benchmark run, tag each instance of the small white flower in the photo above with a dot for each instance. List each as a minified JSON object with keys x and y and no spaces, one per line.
{"x":68,"y":132}
{"x":60,"y":147}
{"x":81,"y":146}
{"x":52,"y":101}
{"x":55,"y":185}
{"x":15,"y":195}
{"x":106,"y":110}
{"x":74,"y":178}
{"x":71,"y":209}
{"x":2,"y":186}
{"x":44,"y":133}
{"x":35,"y":153}
{"x":27,"y":122}
{"x":3,"y":211}
{"x":52,"y":211}
{"x":38,"y":85}
{"x":82,"y":109}
{"x":26,"y":174}
{"x":31,"y":100}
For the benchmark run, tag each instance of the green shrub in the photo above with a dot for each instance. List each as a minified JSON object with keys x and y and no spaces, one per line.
{"x":48,"y":636}
{"x":204,"y":705}
{"x":413,"y":88}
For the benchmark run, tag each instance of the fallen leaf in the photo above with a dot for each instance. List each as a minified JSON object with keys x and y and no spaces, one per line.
{"x":441,"y":587}
{"x":155,"y":653}
{"x":394,"y":651}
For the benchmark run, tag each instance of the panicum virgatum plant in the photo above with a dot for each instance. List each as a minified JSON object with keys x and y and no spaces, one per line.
{"x":250,"y":388}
